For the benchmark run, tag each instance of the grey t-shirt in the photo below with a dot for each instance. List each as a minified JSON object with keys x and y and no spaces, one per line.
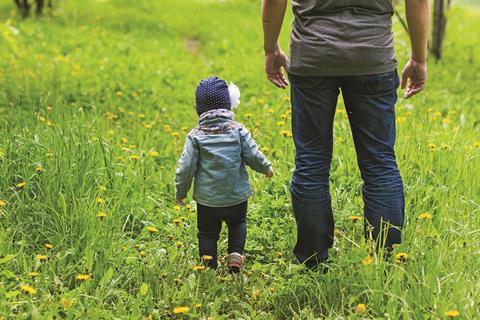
{"x":341,"y":37}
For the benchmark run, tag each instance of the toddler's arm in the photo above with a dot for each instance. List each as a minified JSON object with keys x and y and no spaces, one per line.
{"x":187,"y":166}
{"x":252,"y":155}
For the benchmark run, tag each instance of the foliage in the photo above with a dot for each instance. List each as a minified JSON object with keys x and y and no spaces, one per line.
{"x":95,"y":104}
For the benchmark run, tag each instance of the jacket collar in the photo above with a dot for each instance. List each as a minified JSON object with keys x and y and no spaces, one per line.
{"x":216,"y":114}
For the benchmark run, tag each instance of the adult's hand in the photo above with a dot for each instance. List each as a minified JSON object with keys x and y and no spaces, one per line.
{"x":415,"y":74}
{"x":274,"y":62}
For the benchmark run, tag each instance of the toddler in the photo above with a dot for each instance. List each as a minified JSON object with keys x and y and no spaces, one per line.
{"x":215,"y":154}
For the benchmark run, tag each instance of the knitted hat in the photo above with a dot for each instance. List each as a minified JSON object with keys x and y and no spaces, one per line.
{"x":214,"y":93}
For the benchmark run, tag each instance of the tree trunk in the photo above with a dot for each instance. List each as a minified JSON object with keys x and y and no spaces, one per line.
{"x":439,"y":24}
{"x":23,"y":6}
{"x":40,"y":4}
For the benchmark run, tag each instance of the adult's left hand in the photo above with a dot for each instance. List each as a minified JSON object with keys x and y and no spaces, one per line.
{"x":274,"y":62}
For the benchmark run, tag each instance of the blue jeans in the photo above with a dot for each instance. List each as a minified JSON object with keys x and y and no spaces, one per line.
{"x":369,"y":102}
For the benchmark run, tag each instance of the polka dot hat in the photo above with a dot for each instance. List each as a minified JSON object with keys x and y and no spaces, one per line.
{"x":212,"y":93}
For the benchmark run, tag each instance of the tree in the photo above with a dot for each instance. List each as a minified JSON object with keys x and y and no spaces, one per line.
{"x":439,"y":26}
{"x":24,"y":6}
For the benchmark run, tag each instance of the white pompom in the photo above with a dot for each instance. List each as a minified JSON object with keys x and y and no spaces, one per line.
{"x":234,"y":93}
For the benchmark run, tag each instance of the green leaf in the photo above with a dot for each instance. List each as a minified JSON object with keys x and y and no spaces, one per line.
{"x":7,"y":258}
{"x":106,"y":277}
{"x":144,"y":289}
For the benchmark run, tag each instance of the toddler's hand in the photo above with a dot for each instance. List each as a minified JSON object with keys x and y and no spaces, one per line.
{"x":270,"y":173}
{"x":181,"y":202}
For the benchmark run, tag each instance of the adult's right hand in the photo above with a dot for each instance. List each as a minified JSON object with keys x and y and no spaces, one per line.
{"x":274,"y":62}
{"x":416,"y":74}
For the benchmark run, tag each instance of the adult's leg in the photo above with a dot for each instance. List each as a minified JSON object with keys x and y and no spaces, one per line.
{"x":236,"y":219}
{"x":370,"y":102}
{"x":209,"y":227}
{"x":313,"y":109}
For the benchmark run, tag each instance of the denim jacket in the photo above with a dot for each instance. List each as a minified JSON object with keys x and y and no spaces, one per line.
{"x":215,"y":154}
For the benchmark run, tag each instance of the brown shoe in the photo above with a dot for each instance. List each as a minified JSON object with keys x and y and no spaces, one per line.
{"x":235,"y":262}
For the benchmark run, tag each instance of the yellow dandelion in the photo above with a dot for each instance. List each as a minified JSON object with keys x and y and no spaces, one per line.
{"x":21,"y":185}
{"x":176,"y":207}
{"x":431,"y":147}
{"x":255,"y":295}
{"x":355,"y":218}
{"x":425,"y":216}
{"x":207,"y":257}
{"x":198,"y":306}
{"x":445,"y":146}
{"x":248,"y":115}
{"x":181,"y":310}
{"x":49,"y":246}
{"x":367,"y":260}
{"x":179,"y":243}
{"x":3,"y":203}
{"x":361,"y":308}
{"x":41,"y":257}
{"x":280,"y":123}
{"x":99,"y":200}
{"x":167,"y":128}
{"x":42,"y":119}
{"x":198,"y":268}
{"x":476,"y":144}
{"x":33,"y":274}
{"x":154,"y":154}
{"x":271,"y":289}
{"x":286,"y":98}
{"x":286,"y":133}
{"x":270,"y":110}
{"x":452,"y":313}
{"x":142,"y":254}
{"x":28,"y":290}
{"x":101,"y":214}
{"x":102,"y":188}
{"x":177,"y":221}
{"x":39,"y":169}
{"x":152,"y":229}
{"x":134,"y":157}
{"x":401,"y":257}
{"x":66,"y":303}
{"x":83,"y":277}
{"x":279,"y":254}
{"x":119,"y":94}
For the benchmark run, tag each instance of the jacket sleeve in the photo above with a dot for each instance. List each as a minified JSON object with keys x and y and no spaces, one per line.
{"x":187,"y":166}
{"x":251,"y":154}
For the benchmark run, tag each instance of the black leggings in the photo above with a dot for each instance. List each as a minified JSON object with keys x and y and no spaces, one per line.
{"x":210,"y":224}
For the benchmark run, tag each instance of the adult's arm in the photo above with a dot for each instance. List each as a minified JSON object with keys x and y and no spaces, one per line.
{"x":415,"y":71}
{"x":273,"y":12}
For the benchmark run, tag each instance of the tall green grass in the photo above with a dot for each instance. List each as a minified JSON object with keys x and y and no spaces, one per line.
{"x":95,"y":103}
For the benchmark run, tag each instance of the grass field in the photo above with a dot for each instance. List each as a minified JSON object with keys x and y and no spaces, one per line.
{"x":95,"y":103}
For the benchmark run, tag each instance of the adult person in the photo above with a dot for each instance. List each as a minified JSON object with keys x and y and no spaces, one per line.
{"x":345,"y":45}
